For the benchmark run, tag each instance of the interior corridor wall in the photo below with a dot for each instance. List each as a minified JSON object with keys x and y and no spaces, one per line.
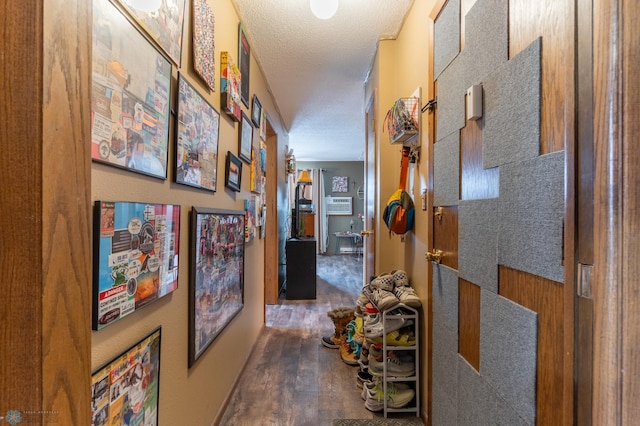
{"x":194,"y":396}
{"x":399,"y":69}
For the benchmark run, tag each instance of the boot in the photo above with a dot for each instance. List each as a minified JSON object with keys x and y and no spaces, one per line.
{"x":340,"y":317}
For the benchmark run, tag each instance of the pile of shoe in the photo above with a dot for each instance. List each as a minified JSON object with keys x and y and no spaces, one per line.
{"x":359,"y":334}
{"x":399,"y":332}
{"x":390,"y":289}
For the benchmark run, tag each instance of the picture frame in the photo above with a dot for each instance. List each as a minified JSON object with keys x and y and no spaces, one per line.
{"x":204,"y":43}
{"x":256,"y":111}
{"x":263,"y":125}
{"x":256,"y":171}
{"x":245,"y":138}
{"x":233,"y":172}
{"x":197,"y":139}
{"x":340,"y":184}
{"x":244,"y":62}
{"x":135,"y":257}
{"x":230,"y":87}
{"x":216,"y":285}
{"x":251,"y":221}
{"x":130,"y":96}
{"x":164,"y":25}
{"x":126,"y":389}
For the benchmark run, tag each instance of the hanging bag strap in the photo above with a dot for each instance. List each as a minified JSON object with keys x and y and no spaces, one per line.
{"x":404,"y":167}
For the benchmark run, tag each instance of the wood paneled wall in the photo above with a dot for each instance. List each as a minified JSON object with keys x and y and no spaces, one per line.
{"x":45,"y":219}
{"x":616,"y":287}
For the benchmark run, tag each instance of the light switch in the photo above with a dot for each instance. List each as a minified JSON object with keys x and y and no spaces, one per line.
{"x":474,"y":102}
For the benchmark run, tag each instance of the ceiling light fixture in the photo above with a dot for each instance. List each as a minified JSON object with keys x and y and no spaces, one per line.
{"x":146,"y":5}
{"x":324,"y":9}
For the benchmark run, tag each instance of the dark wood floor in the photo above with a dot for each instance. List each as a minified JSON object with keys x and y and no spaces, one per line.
{"x":291,"y":379}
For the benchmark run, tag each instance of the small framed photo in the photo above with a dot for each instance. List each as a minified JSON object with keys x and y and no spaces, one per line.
{"x":256,"y":111}
{"x":244,"y":60}
{"x":245,"y":138}
{"x":233,"y":172}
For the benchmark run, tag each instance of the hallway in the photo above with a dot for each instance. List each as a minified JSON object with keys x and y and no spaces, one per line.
{"x":291,"y":379}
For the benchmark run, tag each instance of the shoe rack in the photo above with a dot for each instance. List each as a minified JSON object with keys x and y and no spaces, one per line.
{"x":402,"y":311}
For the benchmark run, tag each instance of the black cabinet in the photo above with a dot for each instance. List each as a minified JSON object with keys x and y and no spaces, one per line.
{"x":301,"y":268}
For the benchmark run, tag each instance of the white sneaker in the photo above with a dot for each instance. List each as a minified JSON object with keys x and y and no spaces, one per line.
{"x":408,"y":296}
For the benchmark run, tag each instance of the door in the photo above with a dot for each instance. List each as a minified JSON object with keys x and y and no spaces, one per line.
{"x":369,"y":240}
{"x":501,"y":232}
{"x":271,"y":221}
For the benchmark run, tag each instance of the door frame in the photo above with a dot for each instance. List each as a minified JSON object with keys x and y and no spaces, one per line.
{"x":370,"y":189}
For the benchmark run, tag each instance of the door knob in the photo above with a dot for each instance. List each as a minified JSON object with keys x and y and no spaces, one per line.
{"x":434,"y":256}
{"x":364,"y":233}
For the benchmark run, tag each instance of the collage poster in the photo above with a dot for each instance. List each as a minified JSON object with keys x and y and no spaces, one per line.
{"x":125,"y":391}
{"x":217,"y":292}
{"x":130,"y":93}
{"x":135,"y":259}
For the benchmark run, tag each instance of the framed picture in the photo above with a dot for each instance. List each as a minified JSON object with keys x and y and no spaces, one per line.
{"x":130,"y":94}
{"x":256,"y":171}
{"x":263,"y":125}
{"x":164,"y":24}
{"x":203,"y":42}
{"x":229,"y":87}
{"x":216,"y":285}
{"x":244,"y":61}
{"x":196,"y":139}
{"x":245,"y":138}
{"x":251,"y":221}
{"x":125,"y":390}
{"x":256,"y":111}
{"x":135,"y":257}
{"x":233,"y":172}
{"x":340,"y":184}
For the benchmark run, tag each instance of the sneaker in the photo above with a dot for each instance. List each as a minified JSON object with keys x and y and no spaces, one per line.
{"x":400,"y":278}
{"x":370,"y":309}
{"x":347,"y":355}
{"x":395,"y":367}
{"x":329,"y":342}
{"x":375,"y":328}
{"x":397,"y":338}
{"x":351,"y":332}
{"x":396,"y":397}
{"x":383,"y":299}
{"x":363,"y":378}
{"x":383,"y":282}
{"x":408,"y":296}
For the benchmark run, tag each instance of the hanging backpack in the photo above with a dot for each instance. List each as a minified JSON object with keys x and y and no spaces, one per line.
{"x":399,"y":212}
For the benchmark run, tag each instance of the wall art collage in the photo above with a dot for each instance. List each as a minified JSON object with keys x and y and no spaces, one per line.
{"x":136,"y":244}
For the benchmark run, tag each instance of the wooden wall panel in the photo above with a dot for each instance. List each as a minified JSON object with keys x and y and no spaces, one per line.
{"x":476,"y":182}
{"x":66,"y":225}
{"x":616,"y":287}
{"x":554,"y":21}
{"x":469,"y":322}
{"x":46,"y":229}
{"x":20,"y":195}
{"x":631,"y":214}
{"x":546,"y":298}
{"x":445,"y":236}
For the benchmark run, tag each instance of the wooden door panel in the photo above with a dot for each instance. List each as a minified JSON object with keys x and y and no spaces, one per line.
{"x":469,"y":322}
{"x":476,"y":182}
{"x":445,"y":235}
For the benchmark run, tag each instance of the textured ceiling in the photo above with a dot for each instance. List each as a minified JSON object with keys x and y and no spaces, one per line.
{"x":316,"y":68}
